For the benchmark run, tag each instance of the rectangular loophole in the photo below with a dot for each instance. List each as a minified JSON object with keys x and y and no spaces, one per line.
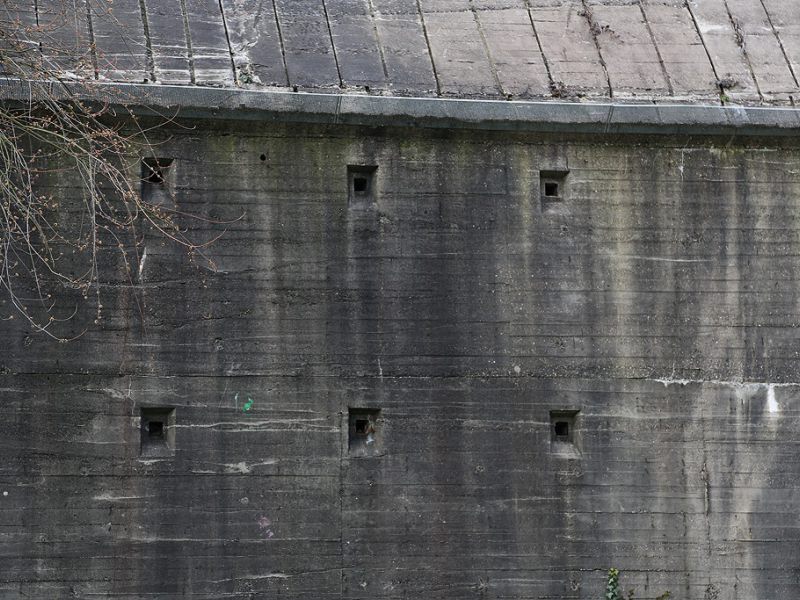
{"x":562,"y":431}
{"x":157,"y":180}
{"x":157,"y":431}
{"x":361,"y":184}
{"x":564,"y":437}
{"x":364,"y":431}
{"x":156,"y":170}
{"x":552,"y":187}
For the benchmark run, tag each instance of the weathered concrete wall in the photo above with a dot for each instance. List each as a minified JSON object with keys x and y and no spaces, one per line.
{"x":659,"y":298}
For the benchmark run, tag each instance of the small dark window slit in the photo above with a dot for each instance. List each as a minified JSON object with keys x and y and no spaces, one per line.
{"x":157,"y":181}
{"x":155,"y":170}
{"x":364,"y":431}
{"x":553,"y":188}
{"x":157,"y":431}
{"x":361,"y":185}
{"x":156,"y":176}
{"x":564,"y":435}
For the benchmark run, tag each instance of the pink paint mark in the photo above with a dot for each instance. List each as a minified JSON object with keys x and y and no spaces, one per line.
{"x":264,"y":524}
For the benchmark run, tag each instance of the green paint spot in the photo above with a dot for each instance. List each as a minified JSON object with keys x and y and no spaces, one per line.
{"x":248,"y":405}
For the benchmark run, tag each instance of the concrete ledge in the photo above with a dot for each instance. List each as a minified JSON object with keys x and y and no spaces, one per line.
{"x":611,"y":118}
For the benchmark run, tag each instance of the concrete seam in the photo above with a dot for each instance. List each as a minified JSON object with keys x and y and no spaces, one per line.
{"x":664,"y":72}
{"x":485,"y":43}
{"x":92,"y":41}
{"x":280,"y":41}
{"x":688,"y":7}
{"x":378,"y":40}
{"x":333,"y":45}
{"x":148,"y":44}
{"x":780,"y":42}
{"x":608,"y":119}
{"x":36,"y":17}
{"x":341,"y":500}
{"x":743,"y":46}
{"x":430,"y":51}
{"x":587,"y":12}
{"x":187,"y":33}
{"x":227,"y":41}
{"x":550,"y":79}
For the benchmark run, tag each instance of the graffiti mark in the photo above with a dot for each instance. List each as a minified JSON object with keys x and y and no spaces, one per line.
{"x":264,"y":524}
{"x":247,"y":405}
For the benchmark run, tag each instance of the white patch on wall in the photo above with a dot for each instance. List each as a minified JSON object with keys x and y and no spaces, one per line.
{"x":670,"y":381}
{"x":107,"y":497}
{"x":772,"y":403}
{"x":141,"y":262}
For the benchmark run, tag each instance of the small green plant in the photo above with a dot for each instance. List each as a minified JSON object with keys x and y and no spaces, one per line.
{"x":612,"y":585}
{"x":612,"y":588}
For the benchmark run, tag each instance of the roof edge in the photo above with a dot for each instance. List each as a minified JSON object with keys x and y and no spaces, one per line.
{"x":185,"y":102}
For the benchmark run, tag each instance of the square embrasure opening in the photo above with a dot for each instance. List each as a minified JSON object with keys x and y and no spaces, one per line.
{"x":156,"y":171}
{"x":361,"y":183}
{"x":157,"y":431}
{"x":364,"y":431}
{"x":563,"y":430}
{"x":157,"y":180}
{"x":553,"y":186}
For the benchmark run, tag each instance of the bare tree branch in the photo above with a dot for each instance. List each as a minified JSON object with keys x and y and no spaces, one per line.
{"x":55,"y":132}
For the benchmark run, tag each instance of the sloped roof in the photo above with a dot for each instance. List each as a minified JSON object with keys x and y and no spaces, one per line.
{"x":700,"y":51}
